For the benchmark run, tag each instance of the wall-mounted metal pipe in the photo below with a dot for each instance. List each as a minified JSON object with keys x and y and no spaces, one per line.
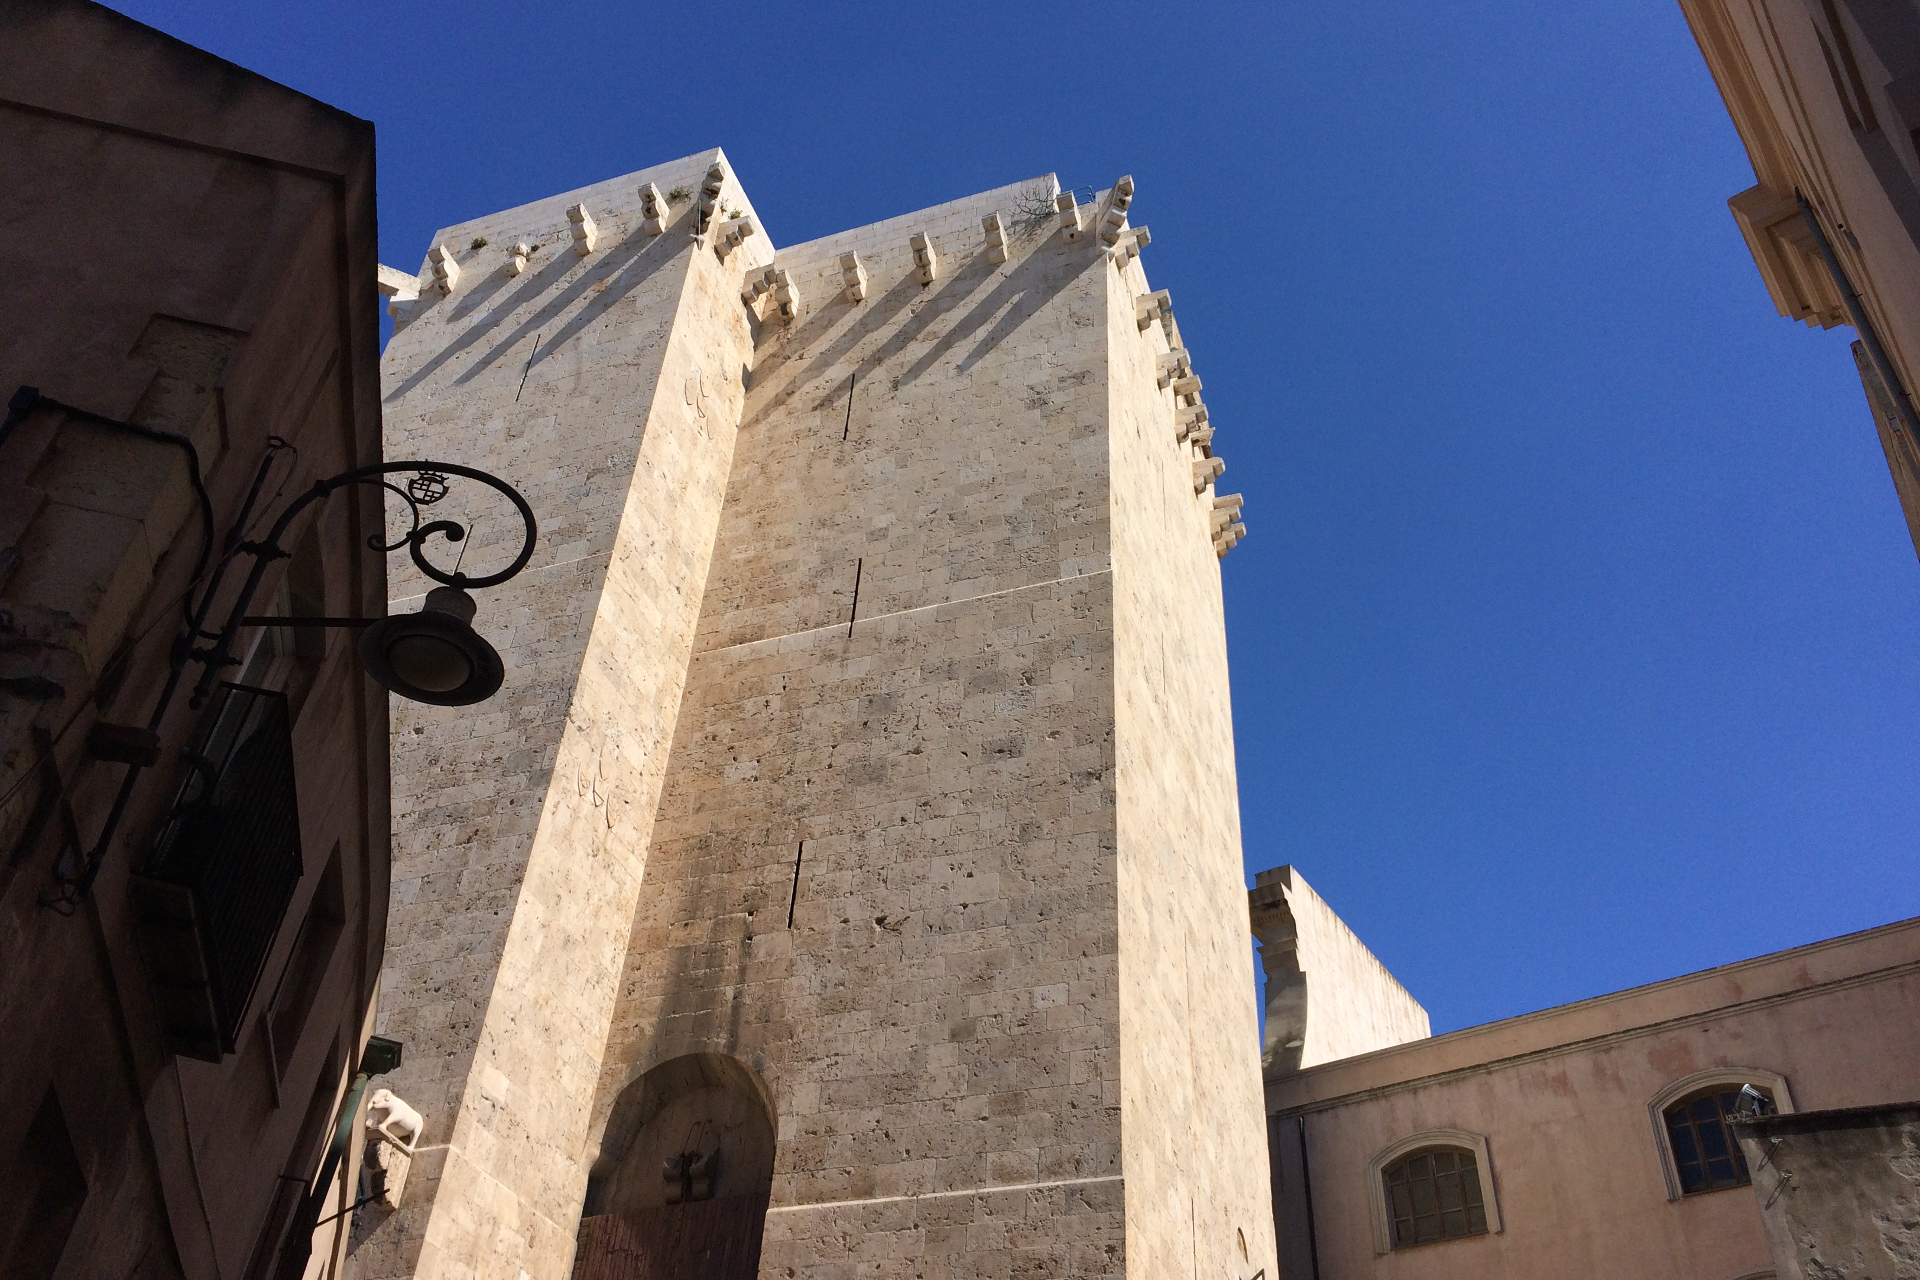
{"x":381,"y":1056}
{"x":1306,"y":1191}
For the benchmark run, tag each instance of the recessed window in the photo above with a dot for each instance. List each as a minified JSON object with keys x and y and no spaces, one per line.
{"x":45,"y":1189}
{"x":305,"y":972}
{"x":1433,"y":1194}
{"x":1705,"y":1155}
{"x":1692,"y":1130}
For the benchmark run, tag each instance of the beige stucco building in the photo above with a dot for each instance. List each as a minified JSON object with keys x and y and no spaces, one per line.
{"x":1826,"y":96}
{"x":853,"y":851}
{"x":1593,"y":1139}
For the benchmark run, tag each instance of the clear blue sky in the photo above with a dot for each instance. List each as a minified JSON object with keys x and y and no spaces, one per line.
{"x":1574,"y":644}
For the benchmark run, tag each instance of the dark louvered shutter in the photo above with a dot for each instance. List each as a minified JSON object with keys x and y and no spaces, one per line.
{"x":210,"y":898}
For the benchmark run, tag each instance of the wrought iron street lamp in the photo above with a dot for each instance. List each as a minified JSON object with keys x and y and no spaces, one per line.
{"x":431,"y":656}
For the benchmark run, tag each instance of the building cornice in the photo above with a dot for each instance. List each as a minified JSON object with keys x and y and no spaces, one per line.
{"x":1878,"y":954}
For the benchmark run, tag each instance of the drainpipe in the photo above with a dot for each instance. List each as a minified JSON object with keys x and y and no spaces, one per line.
{"x":381,"y":1056}
{"x":1869,"y":336}
{"x":1306,"y":1186}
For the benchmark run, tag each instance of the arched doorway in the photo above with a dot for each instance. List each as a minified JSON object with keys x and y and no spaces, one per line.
{"x":681,"y":1184}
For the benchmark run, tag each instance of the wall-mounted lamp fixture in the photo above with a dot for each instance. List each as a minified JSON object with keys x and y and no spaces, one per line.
{"x":432,"y":656}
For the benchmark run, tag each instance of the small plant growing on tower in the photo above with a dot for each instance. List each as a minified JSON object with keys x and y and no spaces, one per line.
{"x":479,"y":242}
{"x":678,"y":194}
{"x":1033,"y":211}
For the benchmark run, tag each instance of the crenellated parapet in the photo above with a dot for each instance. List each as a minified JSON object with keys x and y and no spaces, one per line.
{"x":848,"y":537}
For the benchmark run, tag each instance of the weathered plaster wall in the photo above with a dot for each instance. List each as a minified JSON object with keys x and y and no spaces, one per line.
{"x":1834,"y":1020}
{"x":1839,"y":1191}
{"x":523,"y":823}
{"x":1328,"y":996}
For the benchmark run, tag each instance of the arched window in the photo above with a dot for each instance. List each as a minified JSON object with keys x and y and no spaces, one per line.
{"x":1705,"y":1156}
{"x":1432,"y":1186}
{"x":1692,"y":1120}
{"x":1434,"y":1194}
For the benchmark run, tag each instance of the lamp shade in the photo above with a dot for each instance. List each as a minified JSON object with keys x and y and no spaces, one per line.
{"x":433,"y":656}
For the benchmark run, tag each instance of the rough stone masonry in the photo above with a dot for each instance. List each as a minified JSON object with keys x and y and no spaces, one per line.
{"x":866,"y":737}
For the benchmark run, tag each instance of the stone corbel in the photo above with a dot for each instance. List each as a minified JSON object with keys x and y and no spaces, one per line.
{"x":1118,"y":202}
{"x":925,"y":258}
{"x":755,"y":285}
{"x":1789,"y":259}
{"x":586,"y":233}
{"x":1205,"y":472}
{"x":996,"y":237}
{"x":653,"y":208}
{"x":517,"y":257}
{"x":1129,"y":246}
{"x":853,"y":278}
{"x":1192,"y":420}
{"x":1069,"y":210}
{"x":1149,"y":307}
{"x":710,"y":188}
{"x":446,"y":269}
{"x":397,"y":287}
{"x":1224,"y":522}
{"x":785,"y":296}
{"x":1172,"y":366}
{"x":732,"y":234}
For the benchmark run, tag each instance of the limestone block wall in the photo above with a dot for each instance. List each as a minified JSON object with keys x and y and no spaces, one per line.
{"x":1197,"y":1193}
{"x":885,"y":639}
{"x":608,"y":389}
{"x":1002,"y":1004}
{"x":928,"y":986}
{"x":1328,"y":996}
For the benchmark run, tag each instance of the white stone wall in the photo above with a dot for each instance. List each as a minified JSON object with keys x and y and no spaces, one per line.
{"x":521,"y":825}
{"x":1197,"y":1185}
{"x":1340,"y":1000}
{"x":938,"y":1024}
{"x":1001,"y":1000}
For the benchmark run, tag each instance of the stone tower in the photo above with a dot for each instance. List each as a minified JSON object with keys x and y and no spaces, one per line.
{"x":853,"y":852}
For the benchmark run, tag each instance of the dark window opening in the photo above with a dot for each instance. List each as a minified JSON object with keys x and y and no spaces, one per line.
{"x":208,"y":900}
{"x":43,"y":1187}
{"x":1853,"y":95}
{"x":298,"y":987}
{"x":289,"y":658}
{"x":1434,"y":1195}
{"x":1705,"y":1156}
